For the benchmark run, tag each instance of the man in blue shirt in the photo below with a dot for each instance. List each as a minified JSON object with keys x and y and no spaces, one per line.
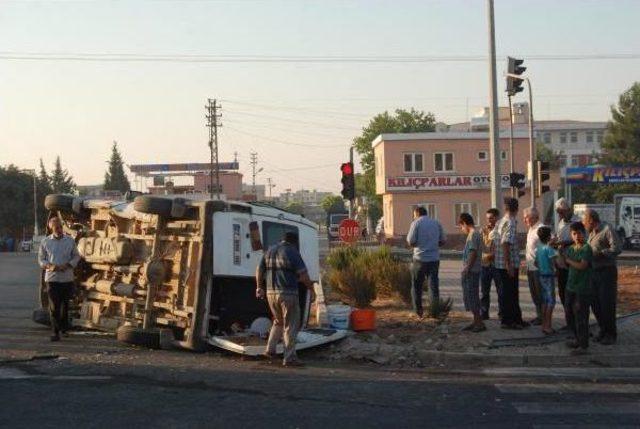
{"x":426,"y":236}
{"x":277,"y":276}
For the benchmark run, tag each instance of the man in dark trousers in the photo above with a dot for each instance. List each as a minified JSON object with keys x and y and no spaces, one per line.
{"x":277,"y":276}
{"x":489,"y":272}
{"x":507,"y":263}
{"x":605,"y":246}
{"x":58,"y":256}
{"x":426,"y":236}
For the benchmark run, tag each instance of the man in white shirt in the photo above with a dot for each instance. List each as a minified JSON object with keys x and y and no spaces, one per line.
{"x":58,"y":256}
{"x":532,"y":220}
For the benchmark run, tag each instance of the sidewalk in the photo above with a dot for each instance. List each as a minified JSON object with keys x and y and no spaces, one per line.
{"x":426,"y":344}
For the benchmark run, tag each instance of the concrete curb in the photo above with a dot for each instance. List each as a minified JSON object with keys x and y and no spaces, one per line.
{"x":453,"y":360}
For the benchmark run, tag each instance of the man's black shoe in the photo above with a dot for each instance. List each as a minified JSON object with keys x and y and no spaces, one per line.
{"x":55,"y":337}
{"x":536,"y":322}
{"x":485,"y":317}
{"x":607,"y":341}
{"x":579,"y":352}
{"x":572,"y":344}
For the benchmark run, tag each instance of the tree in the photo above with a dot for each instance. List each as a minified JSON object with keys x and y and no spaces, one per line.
{"x":403,"y":121}
{"x":16,"y":187}
{"x":61,"y":181}
{"x":115,"y":178}
{"x":332,"y":204}
{"x":294,"y":207}
{"x":621,"y":146}
{"x":43,"y":189}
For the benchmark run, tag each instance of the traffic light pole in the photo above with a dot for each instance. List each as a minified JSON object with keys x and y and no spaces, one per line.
{"x":532,"y":145}
{"x":514,"y":190}
{"x":351,"y":201}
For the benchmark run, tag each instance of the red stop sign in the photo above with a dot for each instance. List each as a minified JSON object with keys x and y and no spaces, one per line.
{"x":349,"y":230}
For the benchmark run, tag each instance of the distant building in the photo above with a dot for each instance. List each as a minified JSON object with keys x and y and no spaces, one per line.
{"x":303,"y":196}
{"x":248,"y":193}
{"x":575,"y":142}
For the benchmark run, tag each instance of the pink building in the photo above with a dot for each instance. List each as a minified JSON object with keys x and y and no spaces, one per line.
{"x":447,"y":173}
{"x":230,"y":184}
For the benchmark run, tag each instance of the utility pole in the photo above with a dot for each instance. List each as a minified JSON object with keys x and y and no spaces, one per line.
{"x":254,"y":171}
{"x":213,"y":124}
{"x":270,"y":185}
{"x":494,"y":130}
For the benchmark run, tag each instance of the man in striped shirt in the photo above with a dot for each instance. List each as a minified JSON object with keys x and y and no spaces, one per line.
{"x":507,"y":263}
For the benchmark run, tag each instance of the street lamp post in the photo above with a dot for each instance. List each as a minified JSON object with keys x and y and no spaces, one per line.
{"x":494,"y":131}
{"x":35,"y":200}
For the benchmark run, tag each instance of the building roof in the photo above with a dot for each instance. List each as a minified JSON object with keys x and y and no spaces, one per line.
{"x":554,"y":125}
{"x":449,"y":135}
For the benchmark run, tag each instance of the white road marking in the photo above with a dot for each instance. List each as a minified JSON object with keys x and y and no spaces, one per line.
{"x":16,"y":374}
{"x":565,"y":408}
{"x":568,"y":388}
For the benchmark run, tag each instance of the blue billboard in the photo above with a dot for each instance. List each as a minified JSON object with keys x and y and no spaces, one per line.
{"x":602,"y":175}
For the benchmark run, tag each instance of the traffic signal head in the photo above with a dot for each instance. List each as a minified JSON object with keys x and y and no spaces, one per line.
{"x":542,"y":175}
{"x":517,"y":180}
{"x":514,"y":67}
{"x":348,"y":181}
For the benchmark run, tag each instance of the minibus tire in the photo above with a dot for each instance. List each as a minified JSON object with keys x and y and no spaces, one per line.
{"x":153,"y":205}
{"x":59,"y":202}
{"x":139,"y":337}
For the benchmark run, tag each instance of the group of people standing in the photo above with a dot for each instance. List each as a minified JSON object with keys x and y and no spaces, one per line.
{"x":580,"y":258}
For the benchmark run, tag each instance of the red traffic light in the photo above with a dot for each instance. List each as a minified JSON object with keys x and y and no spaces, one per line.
{"x":347,"y":169}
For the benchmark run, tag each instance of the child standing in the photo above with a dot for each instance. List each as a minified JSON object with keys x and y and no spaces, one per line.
{"x":472,"y":265}
{"x":545,"y":259}
{"x":579,"y":293}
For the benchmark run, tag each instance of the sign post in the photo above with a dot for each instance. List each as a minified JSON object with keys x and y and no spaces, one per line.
{"x":349,"y":231}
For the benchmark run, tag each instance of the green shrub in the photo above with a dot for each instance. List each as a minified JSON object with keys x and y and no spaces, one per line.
{"x":341,"y":257}
{"x":389,"y":276}
{"x":355,"y":283}
{"x":439,"y":309}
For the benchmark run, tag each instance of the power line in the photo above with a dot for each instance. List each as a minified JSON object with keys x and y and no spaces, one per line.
{"x":279,"y":118}
{"x":204,"y":58}
{"x":262,"y":137}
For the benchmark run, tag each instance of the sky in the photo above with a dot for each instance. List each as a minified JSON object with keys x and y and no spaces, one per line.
{"x":299,"y":116}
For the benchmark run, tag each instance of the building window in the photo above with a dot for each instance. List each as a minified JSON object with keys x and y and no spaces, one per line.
{"x":589,"y":136}
{"x":483,"y":155}
{"x":563,"y":137}
{"x":443,"y":162}
{"x":432,"y":211}
{"x":413,"y":163}
{"x":471,"y":208}
{"x":574,"y":137}
{"x":547,"y":138}
{"x":599,"y":136}
{"x":503,"y":155}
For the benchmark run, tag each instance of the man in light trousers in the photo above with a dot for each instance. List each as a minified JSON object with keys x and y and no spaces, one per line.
{"x":279,"y":272}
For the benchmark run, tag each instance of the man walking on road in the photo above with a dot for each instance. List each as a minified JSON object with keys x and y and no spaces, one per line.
{"x":605,"y":247}
{"x":489,"y":272}
{"x":58,"y":256}
{"x":532,"y":221}
{"x":426,"y":236}
{"x":507,"y":262}
{"x":279,"y":271}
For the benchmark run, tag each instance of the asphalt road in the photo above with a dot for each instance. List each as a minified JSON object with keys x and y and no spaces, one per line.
{"x":93,"y":381}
